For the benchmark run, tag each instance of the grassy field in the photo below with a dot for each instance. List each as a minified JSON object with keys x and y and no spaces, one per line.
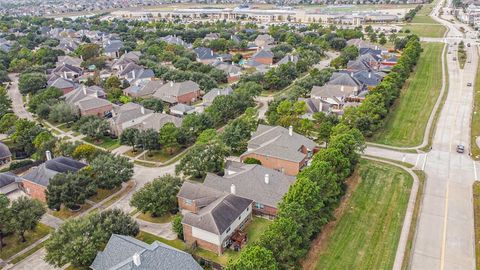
{"x":14,"y":245}
{"x":423,"y":25}
{"x":422,"y":15}
{"x":366,"y":234}
{"x":405,"y":125}
{"x":476,"y":210}
{"x":163,"y":219}
{"x":475,"y":129}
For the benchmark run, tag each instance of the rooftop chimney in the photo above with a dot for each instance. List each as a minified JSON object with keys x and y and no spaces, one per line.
{"x":84,"y":90}
{"x":267,"y":178}
{"x":133,"y":74}
{"x":136,"y":259}
{"x":342,"y":88}
{"x":142,"y":110}
{"x":48,"y":154}
{"x":369,"y":75}
{"x":290,"y":130}
{"x":233,"y":189}
{"x":171,"y":83}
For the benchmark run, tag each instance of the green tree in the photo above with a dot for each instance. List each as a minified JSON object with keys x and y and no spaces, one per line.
{"x":250,"y":160}
{"x":69,"y":189}
{"x":158,"y":197}
{"x":27,"y":215}
{"x":111,"y":171}
{"x":62,"y":112}
{"x":7,"y":123}
{"x":30,"y":83}
{"x":254,"y":257}
{"x":168,"y":136}
{"x":5,"y":102}
{"x":93,"y":127}
{"x":88,"y":51}
{"x":86,"y":151}
{"x":5,"y":218}
{"x":201,"y":159}
{"x":129,"y":137}
{"x":44,"y":141}
{"x":153,"y":104}
{"x":148,"y":139}
{"x":177,"y":226}
{"x":25,"y":133}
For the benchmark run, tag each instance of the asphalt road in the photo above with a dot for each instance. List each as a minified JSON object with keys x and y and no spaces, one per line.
{"x":16,"y":97}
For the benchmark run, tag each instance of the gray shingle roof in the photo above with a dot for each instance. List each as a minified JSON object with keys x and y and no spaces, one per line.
{"x":249,"y":181}
{"x":276,"y":142}
{"x":113,"y":46}
{"x":62,"y":83}
{"x":342,"y":78}
{"x":4,"y":151}
{"x":120,"y":250}
{"x":333,"y":90}
{"x":205,"y":53}
{"x":46,"y":171}
{"x":176,"y":89}
{"x":218,"y":215}
{"x":263,"y":54}
{"x":215,"y":92}
{"x":7,"y":178}
{"x":144,"y":88}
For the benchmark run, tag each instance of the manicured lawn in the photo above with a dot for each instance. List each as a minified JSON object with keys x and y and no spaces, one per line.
{"x":150,"y":238}
{"x":422,"y":15}
{"x":103,"y":193}
{"x":27,"y":254}
{"x":160,"y":155}
{"x":66,"y":214}
{"x":475,"y":128}
{"x":405,"y":124}
{"x":426,"y":30}
{"x":476,"y":210}
{"x":366,"y":234}
{"x":133,"y":154}
{"x":256,"y":228}
{"x":14,"y":244}
{"x":163,"y":219}
{"x":106,"y":142}
{"x":116,"y":197}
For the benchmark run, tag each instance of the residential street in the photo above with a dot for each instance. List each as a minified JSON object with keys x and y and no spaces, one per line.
{"x":16,"y":97}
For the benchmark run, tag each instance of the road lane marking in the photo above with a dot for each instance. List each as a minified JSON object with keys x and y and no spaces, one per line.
{"x":416,"y":162}
{"x":444,"y":236}
{"x":404,"y":156}
{"x":475,"y":170}
{"x":424,"y":162}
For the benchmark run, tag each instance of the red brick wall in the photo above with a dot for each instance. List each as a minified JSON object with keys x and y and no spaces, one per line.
{"x":187,"y":98}
{"x":232,"y":79}
{"x":35,"y":191}
{"x":264,"y":60}
{"x":267,"y":210}
{"x":100,"y":112}
{"x":289,"y":167}
{"x":67,"y":90}
{"x":189,"y":239}
{"x":189,"y":207}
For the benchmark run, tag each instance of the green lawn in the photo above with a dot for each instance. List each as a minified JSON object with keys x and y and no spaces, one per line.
{"x":161,"y":155}
{"x":14,"y":245}
{"x":103,"y":193}
{"x":475,"y":129}
{"x":425,"y":30}
{"x":65,"y":213}
{"x":422,"y":15}
{"x":106,"y":142}
{"x":405,"y":124}
{"x":163,"y":219}
{"x":366,"y":235}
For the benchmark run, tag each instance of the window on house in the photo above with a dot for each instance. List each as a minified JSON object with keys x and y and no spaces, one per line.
{"x":228,"y":229}
{"x":259,"y":206}
{"x":188,"y":202}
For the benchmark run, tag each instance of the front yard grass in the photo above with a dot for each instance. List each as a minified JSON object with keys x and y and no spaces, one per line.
{"x":65,"y":213}
{"x":405,"y":124}
{"x":425,"y":30}
{"x":105,"y":142}
{"x":14,"y":245}
{"x":161,"y":155}
{"x":366,"y":233}
{"x":103,"y":193}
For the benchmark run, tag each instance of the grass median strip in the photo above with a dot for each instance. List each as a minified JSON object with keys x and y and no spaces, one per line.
{"x":475,"y":127}
{"x":367,"y":231}
{"x":405,"y":125}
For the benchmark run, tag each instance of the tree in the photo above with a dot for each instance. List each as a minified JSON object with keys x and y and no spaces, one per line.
{"x":153,"y":104}
{"x":250,"y":160}
{"x":111,"y":171}
{"x":5,"y":102}
{"x":177,"y":226}
{"x":44,"y":141}
{"x":25,"y":133}
{"x":148,"y":139}
{"x":88,"y":51}
{"x":7,"y":123}
{"x":5,"y":217}
{"x":31,"y":83}
{"x":168,"y":137}
{"x":254,"y":257}
{"x":69,"y":189}
{"x":207,"y":136}
{"x":113,"y":82}
{"x":62,"y":112}
{"x":77,"y":241}
{"x":86,"y":151}
{"x":237,"y":134}
{"x":27,"y":215}
{"x":201,"y":159}
{"x":93,"y":127}
{"x":158,"y":197}
{"x":130,"y":137}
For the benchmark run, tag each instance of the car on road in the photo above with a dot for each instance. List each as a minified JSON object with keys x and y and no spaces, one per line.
{"x":468,"y":44}
{"x":460,"y":149}
{"x":449,"y":52}
{"x":469,"y":84}
{"x":454,"y":59}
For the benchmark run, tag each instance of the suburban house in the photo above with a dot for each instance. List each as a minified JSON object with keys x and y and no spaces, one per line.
{"x":265,"y":186}
{"x":178,"y":92}
{"x":89,"y":101}
{"x":175,"y":41}
{"x":369,"y":78}
{"x":124,"y":60}
{"x":181,"y":109}
{"x":280,"y":149}
{"x":264,"y":57}
{"x":346,"y":79}
{"x":143,"y":88}
{"x":112,"y":48}
{"x":132,"y":72}
{"x":315,"y":105}
{"x":334,"y":97}
{"x":66,"y":59}
{"x":211,"y":36}
{"x":213,"y":220}
{"x":289,"y":58}
{"x":67,"y":45}
{"x":5,"y":154}
{"x":68,"y":71}
{"x":360,"y":43}
{"x":233,"y":71}
{"x":264,"y":40}
{"x":125,"y":252}
{"x":205,"y":55}
{"x":215,"y":92}
{"x":132,"y":115}
{"x":8,"y":183}
{"x":35,"y":182}
{"x":65,"y":85}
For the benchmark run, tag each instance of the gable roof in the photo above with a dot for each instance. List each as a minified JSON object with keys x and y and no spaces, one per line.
{"x":204,"y":53}
{"x":218,"y":215}
{"x":113,"y":46}
{"x":120,"y":250}
{"x":175,"y":40}
{"x":82,"y":92}
{"x":289,"y":58}
{"x":67,"y":68}
{"x":249,"y":181}
{"x":66,"y":59}
{"x":128,"y":112}
{"x":42,"y":174}
{"x":144,"y":88}
{"x":343,"y":78}
{"x":62,"y":83}
{"x":275,"y":141}
{"x":263,"y":54}
{"x":332,"y":90}
{"x":227,"y":68}
{"x":180,"y":107}
{"x":215,"y":92}
{"x":7,"y":178}
{"x":176,"y":89}
{"x":4,"y":151}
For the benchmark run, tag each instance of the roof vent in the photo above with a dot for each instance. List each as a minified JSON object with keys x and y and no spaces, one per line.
{"x":136,"y":259}
{"x":48,"y":154}
{"x":290,"y":130}
{"x":267,"y":178}
{"x":233,"y":189}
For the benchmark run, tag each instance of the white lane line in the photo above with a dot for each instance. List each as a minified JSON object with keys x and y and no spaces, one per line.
{"x":424,"y":162}
{"x":403,"y":159}
{"x":416,"y":162}
{"x":444,"y":236}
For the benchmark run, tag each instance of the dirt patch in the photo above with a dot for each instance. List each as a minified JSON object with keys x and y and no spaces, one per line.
{"x":319,"y":244}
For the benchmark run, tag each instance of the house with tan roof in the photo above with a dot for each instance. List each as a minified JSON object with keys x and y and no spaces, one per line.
{"x":280,"y":149}
{"x":178,"y":92}
{"x":89,"y":101}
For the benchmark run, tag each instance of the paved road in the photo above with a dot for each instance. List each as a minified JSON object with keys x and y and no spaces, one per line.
{"x":16,"y":97}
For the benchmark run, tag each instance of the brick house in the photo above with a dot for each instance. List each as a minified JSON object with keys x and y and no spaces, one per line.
{"x":266,"y":187}
{"x":65,"y":85}
{"x":5,"y":154}
{"x":280,"y":149}
{"x":211,"y":218}
{"x":89,"y":101}
{"x":264,"y":57}
{"x":182,"y":92}
{"x":35,"y":182}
